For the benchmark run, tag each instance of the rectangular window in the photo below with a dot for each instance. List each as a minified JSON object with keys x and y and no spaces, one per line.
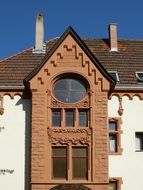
{"x":114,"y":136}
{"x":56,"y":118}
{"x":113,"y":143}
{"x":113,"y":185}
{"x":59,"y":162}
{"x":79,"y":160}
{"x":69,"y":118}
{"x":139,"y":141}
{"x":83,"y":118}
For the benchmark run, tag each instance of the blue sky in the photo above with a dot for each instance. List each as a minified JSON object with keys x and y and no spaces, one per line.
{"x":89,"y":18}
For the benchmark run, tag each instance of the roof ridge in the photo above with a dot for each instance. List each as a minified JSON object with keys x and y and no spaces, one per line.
{"x":54,"y":38}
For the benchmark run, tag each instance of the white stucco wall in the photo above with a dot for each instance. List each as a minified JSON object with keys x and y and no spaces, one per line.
{"x":12,"y":143}
{"x":129,"y":165}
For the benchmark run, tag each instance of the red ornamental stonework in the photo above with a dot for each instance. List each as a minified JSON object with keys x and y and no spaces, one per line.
{"x":69,"y":58}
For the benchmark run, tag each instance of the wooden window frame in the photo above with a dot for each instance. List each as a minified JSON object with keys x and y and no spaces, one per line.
{"x":68,"y":116}
{"x":117,"y":133}
{"x":76,"y":119}
{"x":87,"y":117}
{"x":53,"y":156}
{"x":83,"y":157}
{"x":56,"y":110}
{"x":69,"y":163}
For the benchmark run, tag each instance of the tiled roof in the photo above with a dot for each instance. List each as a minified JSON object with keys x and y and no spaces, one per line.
{"x":126,"y":61}
{"x":15,"y":69}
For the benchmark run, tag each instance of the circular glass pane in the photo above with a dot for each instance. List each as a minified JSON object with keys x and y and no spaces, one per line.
{"x":69,"y":90}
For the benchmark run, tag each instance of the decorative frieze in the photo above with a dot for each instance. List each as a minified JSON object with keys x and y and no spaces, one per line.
{"x":120,"y":96}
{"x":69,"y":136}
{"x":82,"y":104}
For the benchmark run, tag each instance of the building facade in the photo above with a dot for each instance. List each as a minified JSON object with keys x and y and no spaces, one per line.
{"x":71,"y":114}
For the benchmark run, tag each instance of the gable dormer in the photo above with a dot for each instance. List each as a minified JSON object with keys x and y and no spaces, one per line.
{"x":69,"y":117}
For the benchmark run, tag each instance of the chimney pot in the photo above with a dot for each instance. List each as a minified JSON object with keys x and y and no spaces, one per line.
{"x":39,"y":36}
{"x":113,"y":37}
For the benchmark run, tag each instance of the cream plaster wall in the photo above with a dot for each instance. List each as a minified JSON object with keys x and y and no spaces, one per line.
{"x":12,"y":143}
{"x":129,"y":165}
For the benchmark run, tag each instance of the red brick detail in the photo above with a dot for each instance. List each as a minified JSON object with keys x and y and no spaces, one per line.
{"x":67,"y":59}
{"x":100,"y":138}
{"x":39,"y":137}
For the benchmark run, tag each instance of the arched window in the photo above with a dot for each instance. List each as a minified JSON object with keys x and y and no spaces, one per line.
{"x":69,"y":90}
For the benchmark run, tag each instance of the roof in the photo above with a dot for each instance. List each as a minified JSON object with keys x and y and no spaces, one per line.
{"x":126,"y":61}
{"x":83,"y":46}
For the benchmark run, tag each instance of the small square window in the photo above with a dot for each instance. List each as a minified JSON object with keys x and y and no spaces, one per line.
{"x":113,"y":185}
{"x":115,"y":136}
{"x":113,"y":143}
{"x":56,"y":118}
{"x":139,"y":141}
{"x":139,"y":76}
{"x":69,"y":118}
{"x":114,"y":75}
{"x":83,"y":118}
{"x":113,"y":126}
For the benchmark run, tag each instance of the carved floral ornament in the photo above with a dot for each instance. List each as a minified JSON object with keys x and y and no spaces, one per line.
{"x":69,"y":136}
{"x":82,"y":104}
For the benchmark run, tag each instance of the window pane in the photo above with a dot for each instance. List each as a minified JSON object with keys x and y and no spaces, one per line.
{"x":61,"y":85}
{"x":69,"y":118}
{"x":60,"y":151}
{"x":139,"y":141}
{"x":83,"y":119}
{"x":56,"y":118}
{"x":80,"y":162}
{"x":113,"y":185}
{"x":69,"y":90}
{"x":59,"y":167}
{"x":63,"y":96}
{"x":80,"y":168}
{"x":112,"y":126}
{"x":59,"y":162}
{"x":79,"y":152}
{"x":77,"y":85}
{"x":112,"y":143}
{"x":76,"y":96}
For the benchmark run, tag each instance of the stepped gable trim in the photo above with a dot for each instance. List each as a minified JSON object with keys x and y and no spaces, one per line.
{"x":84,"y":48}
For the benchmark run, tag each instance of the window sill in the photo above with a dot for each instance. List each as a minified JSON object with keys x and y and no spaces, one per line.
{"x":119,"y":152}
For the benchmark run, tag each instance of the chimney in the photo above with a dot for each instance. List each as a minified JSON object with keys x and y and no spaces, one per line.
{"x":40,"y":46}
{"x":113,"y":37}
